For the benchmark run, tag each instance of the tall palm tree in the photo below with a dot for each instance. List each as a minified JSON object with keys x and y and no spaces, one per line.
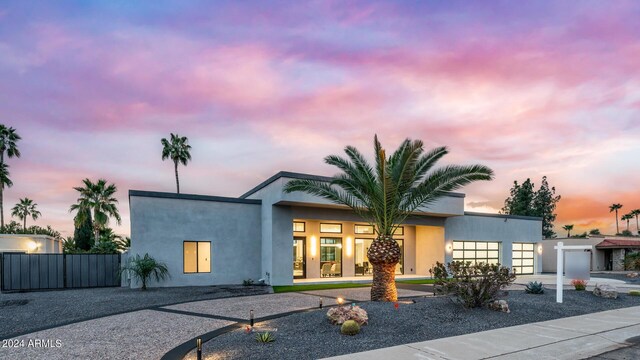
{"x":612,"y":208}
{"x":385,"y":194}
{"x":8,"y":144}
{"x":568,"y":228}
{"x":636,"y":213}
{"x":25,"y":208}
{"x":176,"y":149}
{"x":627,"y":217}
{"x":96,"y":198}
{"x":5,"y":181}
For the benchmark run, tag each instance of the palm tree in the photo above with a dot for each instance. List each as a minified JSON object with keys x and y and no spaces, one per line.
{"x":386,"y":194}
{"x":177,"y":149}
{"x":627,"y":217}
{"x":636,"y":213}
{"x":143,"y":268}
{"x":8,"y":144}
{"x":97,"y":198}
{"x":25,"y":208}
{"x":5,"y":181}
{"x":568,"y":228}
{"x":612,"y":208}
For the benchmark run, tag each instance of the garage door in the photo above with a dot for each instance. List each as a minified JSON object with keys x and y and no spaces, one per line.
{"x":522,"y":258}
{"x":477,"y":251}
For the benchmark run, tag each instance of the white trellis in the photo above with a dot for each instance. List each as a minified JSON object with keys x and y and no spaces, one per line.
{"x":560,"y":267}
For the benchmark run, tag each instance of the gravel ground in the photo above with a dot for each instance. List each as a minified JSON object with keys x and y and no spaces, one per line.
{"x":52,"y":308}
{"x":310,"y":336}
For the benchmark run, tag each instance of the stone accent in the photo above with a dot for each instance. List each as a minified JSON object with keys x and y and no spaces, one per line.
{"x":633,"y":275}
{"x":499,"y":305}
{"x":605,"y":291}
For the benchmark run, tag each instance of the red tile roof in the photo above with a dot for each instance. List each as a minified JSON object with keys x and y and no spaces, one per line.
{"x":618,"y":243}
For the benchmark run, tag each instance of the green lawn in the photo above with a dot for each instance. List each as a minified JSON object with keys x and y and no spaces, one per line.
{"x":309,"y":287}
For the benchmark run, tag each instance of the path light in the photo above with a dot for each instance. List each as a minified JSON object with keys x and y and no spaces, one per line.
{"x":251,"y":317}
{"x":320,"y":303}
{"x":340,"y":301}
{"x":199,"y":348}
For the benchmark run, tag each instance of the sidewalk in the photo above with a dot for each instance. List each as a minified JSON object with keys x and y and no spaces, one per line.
{"x":575,"y":337}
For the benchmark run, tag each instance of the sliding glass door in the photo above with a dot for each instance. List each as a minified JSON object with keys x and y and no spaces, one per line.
{"x":330,"y":256}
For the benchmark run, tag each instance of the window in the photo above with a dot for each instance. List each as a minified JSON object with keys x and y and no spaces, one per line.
{"x":476,"y":251}
{"x":522,"y":258}
{"x":331,"y":228}
{"x":399,"y":231}
{"x":361,"y":261}
{"x":330,"y":257}
{"x":364,"y":229}
{"x":197,"y":256}
{"x":298,"y":226}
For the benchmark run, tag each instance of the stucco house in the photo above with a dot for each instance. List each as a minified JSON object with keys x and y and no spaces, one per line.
{"x":285,"y":238}
{"x":30,"y":244}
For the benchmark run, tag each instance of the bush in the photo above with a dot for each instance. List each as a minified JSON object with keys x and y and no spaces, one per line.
{"x":247,"y":282}
{"x":626,"y":233}
{"x":634,"y":292}
{"x":143,"y":268}
{"x":338,"y":315}
{"x":265,"y":337}
{"x":473,"y":285}
{"x":350,"y":327}
{"x":579,"y":285}
{"x":534,"y":287}
{"x":632,"y":261}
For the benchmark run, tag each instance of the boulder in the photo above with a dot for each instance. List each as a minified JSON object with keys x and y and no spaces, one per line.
{"x":499,"y":305}
{"x":633,"y":275}
{"x":605,"y":291}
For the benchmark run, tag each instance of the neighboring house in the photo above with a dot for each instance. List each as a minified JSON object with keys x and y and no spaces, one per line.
{"x":607,"y":254}
{"x":265,"y":233}
{"x":30,"y":244}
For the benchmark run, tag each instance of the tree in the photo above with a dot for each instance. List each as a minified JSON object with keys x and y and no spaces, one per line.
{"x":5,"y":181}
{"x":385,"y":194}
{"x":627,"y":217}
{"x":636,"y":213}
{"x":9,"y":145}
{"x":143,"y":268}
{"x":525,"y":201}
{"x":25,"y":208}
{"x":83,"y":236}
{"x":568,"y":228}
{"x":612,"y":208}
{"x":98,"y":199}
{"x":594,"y":232}
{"x":176,"y":149}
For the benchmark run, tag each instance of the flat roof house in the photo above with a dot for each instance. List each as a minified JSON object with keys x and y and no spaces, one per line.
{"x":280,"y":237}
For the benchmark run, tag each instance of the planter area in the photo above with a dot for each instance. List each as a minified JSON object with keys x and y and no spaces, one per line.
{"x":310,"y":335}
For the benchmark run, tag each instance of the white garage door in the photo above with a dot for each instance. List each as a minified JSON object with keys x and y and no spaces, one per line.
{"x":522,"y":258}
{"x":477,"y":251}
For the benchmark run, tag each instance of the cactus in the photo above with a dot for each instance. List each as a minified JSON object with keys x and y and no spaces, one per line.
{"x":350,"y":327}
{"x":265,"y":337}
{"x":534,"y":287}
{"x":634,"y":292}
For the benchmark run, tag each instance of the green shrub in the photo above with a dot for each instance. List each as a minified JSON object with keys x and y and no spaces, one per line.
{"x":634,"y":292}
{"x":265,"y":337}
{"x":247,"y":282}
{"x":350,"y":327}
{"x":632,"y":261}
{"x":143,"y":268}
{"x":534,"y":287}
{"x":474,"y":285}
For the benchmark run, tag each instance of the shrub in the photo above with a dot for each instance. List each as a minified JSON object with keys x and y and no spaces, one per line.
{"x":265,"y":337}
{"x":143,"y":268}
{"x":247,"y":282}
{"x":632,"y":261}
{"x":338,"y":315}
{"x":579,"y":285}
{"x":534,"y":287}
{"x":350,"y":327}
{"x":634,"y":292}
{"x":473,"y":285}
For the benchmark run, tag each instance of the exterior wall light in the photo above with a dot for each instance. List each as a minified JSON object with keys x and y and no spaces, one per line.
{"x":313,"y":246}
{"x":449,"y":248}
{"x":539,"y":249}
{"x":349,"y":246}
{"x":33,"y":246}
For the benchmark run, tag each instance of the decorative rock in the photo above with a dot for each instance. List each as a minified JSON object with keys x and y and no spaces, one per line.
{"x":605,"y":291}
{"x":633,"y":275}
{"x":499,"y":305}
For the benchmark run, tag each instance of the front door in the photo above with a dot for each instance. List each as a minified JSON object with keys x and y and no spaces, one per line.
{"x":299,"y":258}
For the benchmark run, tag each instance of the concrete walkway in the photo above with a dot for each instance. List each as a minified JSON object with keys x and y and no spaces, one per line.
{"x":577,"y":337}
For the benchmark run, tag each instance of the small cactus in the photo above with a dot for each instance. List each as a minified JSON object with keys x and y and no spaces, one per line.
{"x":265,"y":337}
{"x":350,"y":327}
{"x":634,"y":292}
{"x":534,"y":287}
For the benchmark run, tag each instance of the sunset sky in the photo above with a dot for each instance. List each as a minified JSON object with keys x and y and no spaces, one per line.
{"x":528,"y":88}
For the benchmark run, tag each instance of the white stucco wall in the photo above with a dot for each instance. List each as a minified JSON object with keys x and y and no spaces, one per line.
{"x":32,"y":244}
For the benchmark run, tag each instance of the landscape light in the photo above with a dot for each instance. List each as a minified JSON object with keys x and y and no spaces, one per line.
{"x":199,"y":348}
{"x":251,"y":317}
{"x":320,"y":303}
{"x":340,"y":300}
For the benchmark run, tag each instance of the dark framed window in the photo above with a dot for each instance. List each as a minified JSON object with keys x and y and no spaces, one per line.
{"x":331,"y":228}
{"x":196,"y":257}
{"x":363,"y":229}
{"x":298,"y":226}
{"x":399,"y":231}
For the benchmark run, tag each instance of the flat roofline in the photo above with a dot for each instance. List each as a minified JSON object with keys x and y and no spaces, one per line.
{"x":166,"y":195}
{"x":295,"y":175}
{"x":503,"y":216}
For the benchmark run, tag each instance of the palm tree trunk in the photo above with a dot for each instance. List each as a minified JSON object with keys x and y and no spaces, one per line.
{"x":175,"y":163}
{"x":384,"y":254}
{"x":637,"y":228}
{"x":24,"y":223}
{"x":1,"y":193}
{"x":617,"y":228}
